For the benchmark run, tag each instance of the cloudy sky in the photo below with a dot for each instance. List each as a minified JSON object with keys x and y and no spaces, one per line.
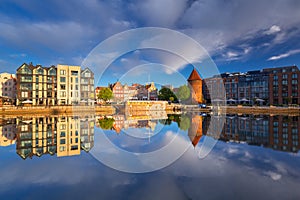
{"x":238,"y":35}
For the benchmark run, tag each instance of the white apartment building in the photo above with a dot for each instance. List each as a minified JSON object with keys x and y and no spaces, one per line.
{"x":8,"y":85}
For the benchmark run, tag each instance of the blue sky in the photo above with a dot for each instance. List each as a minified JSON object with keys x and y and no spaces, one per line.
{"x":238,"y":35}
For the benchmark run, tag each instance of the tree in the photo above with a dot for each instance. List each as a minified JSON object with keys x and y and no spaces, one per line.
{"x":165,"y":94}
{"x":183,"y":92}
{"x":106,"y":123}
{"x":105,"y":94}
{"x":184,"y":123}
{"x":171,"y":99}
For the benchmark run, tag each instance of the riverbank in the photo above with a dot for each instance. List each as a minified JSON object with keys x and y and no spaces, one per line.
{"x":262,"y":110}
{"x":173,"y":108}
{"x":55,"y":110}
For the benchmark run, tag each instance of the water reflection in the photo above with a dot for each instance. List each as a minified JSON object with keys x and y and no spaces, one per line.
{"x":60,"y":135}
{"x":68,"y":135}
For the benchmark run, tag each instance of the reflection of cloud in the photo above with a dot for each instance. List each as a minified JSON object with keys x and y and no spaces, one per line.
{"x":275,"y":176}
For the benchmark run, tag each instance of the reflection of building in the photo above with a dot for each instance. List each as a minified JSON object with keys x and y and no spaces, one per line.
{"x":7,"y":88}
{"x":87,"y":133}
{"x":68,"y":136}
{"x":276,"y":132}
{"x":195,"y":84}
{"x":136,"y":120}
{"x":36,"y":85}
{"x":7,"y":134}
{"x":195,"y":131}
{"x":64,"y":136}
{"x":36,"y":136}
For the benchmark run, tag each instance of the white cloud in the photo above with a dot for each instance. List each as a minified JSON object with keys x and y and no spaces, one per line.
{"x":231,"y":54}
{"x":285,"y":55}
{"x":272,"y":30}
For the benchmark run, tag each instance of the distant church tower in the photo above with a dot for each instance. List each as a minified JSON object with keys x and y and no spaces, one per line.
{"x":195,"y":85}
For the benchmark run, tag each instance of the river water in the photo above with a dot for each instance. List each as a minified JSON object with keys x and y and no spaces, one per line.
{"x":187,"y":156}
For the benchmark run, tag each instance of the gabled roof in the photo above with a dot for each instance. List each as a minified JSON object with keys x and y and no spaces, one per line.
{"x":194,"y":76}
{"x":86,"y":69}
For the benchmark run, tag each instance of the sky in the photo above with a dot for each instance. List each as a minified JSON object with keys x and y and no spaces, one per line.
{"x":237,"y":35}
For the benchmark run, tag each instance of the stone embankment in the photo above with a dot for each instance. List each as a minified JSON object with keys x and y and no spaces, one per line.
{"x":55,"y":110}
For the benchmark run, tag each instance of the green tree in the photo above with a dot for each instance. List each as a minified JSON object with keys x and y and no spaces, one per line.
{"x":106,"y":123}
{"x":183,"y":92}
{"x":105,"y":94}
{"x":171,"y":99}
{"x":165,"y":94}
{"x":184,"y":123}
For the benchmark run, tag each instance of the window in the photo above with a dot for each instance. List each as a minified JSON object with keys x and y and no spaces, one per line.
{"x":62,"y":148}
{"x":40,"y":71}
{"x":63,"y":79}
{"x":294,"y":75}
{"x":62,"y":72}
{"x":52,"y":71}
{"x":284,"y":76}
{"x":62,"y":127}
{"x":74,"y":73}
{"x":62,"y":86}
{"x":76,"y":80}
{"x":24,"y":94}
{"x":63,"y":134}
{"x":62,"y":141}
{"x":295,"y":82}
{"x":74,"y":147}
{"x":284,"y":82}
{"x":62,"y":94}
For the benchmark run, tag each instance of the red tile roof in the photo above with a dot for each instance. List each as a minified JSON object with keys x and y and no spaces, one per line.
{"x":194,"y":76}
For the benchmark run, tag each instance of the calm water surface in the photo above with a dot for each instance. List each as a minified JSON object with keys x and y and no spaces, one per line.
{"x":72,"y":157}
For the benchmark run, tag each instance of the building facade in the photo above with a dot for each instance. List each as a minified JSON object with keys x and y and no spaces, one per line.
{"x":87,"y":87}
{"x":195,"y":85}
{"x":36,"y":85}
{"x":68,"y":84}
{"x":284,"y":85}
{"x":270,"y":86}
{"x":8,"y":88}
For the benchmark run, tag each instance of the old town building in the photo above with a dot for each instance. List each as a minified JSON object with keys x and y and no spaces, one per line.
{"x":195,"y":84}
{"x":8,"y":87}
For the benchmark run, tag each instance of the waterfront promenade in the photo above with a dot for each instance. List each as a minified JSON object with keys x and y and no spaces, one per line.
{"x":111,"y":109}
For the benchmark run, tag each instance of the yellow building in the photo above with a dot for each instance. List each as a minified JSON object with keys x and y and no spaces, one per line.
{"x":68,"y":84}
{"x":68,"y":136}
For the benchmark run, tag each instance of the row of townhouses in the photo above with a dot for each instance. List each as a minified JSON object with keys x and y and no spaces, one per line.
{"x":55,"y":85}
{"x":122,"y":93}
